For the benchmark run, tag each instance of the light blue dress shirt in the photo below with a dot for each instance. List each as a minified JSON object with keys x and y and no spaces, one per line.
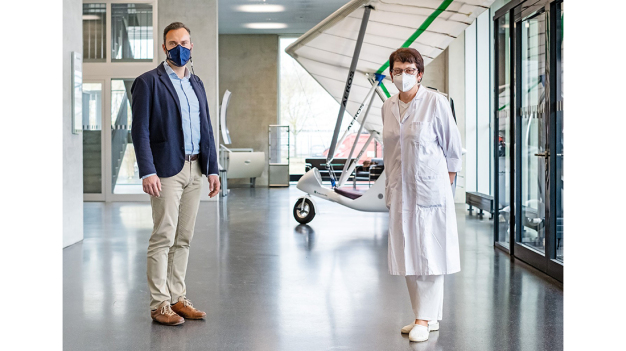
{"x":189,"y":108}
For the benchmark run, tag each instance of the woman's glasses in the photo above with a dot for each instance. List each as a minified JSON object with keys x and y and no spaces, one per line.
{"x":398,"y":71}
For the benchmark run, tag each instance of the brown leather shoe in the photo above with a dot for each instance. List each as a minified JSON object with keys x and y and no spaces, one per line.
{"x":164,"y":315}
{"x":184,"y":308}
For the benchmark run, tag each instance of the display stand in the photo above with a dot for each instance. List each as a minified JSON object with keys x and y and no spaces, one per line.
{"x":278,"y":162}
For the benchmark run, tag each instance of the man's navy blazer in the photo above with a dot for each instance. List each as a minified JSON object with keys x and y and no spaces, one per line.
{"x":157,"y":128}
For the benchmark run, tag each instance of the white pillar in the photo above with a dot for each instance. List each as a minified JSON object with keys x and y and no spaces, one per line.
{"x":470,"y":108}
{"x":72,"y":143}
{"x":456,"y":89}
{"x":483,"y":105}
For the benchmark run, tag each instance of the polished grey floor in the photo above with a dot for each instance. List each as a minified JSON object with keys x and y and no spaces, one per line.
{"x":270,"y":284}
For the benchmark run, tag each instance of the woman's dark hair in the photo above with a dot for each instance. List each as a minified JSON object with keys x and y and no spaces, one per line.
{"x":174,"y":26}
{"x":409,"y":55}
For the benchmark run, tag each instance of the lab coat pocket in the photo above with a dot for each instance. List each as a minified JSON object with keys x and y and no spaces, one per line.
{"x":421,"y":132}
{"x":426,"y":149}
{"x":429,"y":194}
{"x":429,"y":160}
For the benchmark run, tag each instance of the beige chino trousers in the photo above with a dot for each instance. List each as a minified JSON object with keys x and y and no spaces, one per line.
{"x":174,"y":215}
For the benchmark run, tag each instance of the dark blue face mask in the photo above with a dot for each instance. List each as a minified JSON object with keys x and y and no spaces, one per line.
{"x":179,"y":55}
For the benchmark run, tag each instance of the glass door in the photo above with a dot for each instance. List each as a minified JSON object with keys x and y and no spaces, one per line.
{"x":538,"y":150}
{"x":533,"y":118}
{"x":555,"y":244}
{"x":110,"y":171}
{"x":558,"y":52}
{"x":119,"y":44}
{"x":504,"y":133}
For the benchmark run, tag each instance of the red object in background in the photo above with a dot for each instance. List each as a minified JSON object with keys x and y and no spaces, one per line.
{"x":343,"y":151}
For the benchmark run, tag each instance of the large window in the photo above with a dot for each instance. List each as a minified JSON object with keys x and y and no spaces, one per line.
{"x":94,"y":32}
{"x":311,"y":114}
{"x":118,"y":45}
{"x":131,"y":32}
{"x":130,"y":26}
{"x":478,"y":107}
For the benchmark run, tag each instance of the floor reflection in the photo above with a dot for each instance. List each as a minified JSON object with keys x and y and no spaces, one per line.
{"x":268,"y":283}
{"x":308,"y":235}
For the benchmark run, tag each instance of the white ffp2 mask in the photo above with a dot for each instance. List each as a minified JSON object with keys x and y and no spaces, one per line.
{"x":405,"y":82}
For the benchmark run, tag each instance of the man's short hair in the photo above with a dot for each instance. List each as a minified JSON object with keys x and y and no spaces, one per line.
{"x":409,"y":55}
{"x":174,"y":26}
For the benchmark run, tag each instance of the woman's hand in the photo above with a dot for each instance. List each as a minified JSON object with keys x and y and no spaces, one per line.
{"x":452,"y":175}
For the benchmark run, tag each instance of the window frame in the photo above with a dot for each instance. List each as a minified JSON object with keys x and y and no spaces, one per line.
{"x":155,"y":31}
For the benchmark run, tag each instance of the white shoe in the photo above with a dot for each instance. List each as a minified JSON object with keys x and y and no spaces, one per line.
{"x":432,"y":326}
{"x":419,"y":333}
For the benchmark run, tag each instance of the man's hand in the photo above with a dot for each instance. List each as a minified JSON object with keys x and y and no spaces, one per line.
{"x":452,"y":175}
{"x":214,"y":185}
{"x":152,"y":185}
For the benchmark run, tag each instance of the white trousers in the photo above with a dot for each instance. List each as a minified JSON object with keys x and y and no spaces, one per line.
{"x":426,"y":292}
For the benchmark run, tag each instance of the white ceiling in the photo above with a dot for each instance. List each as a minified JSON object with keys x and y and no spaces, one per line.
{"x":299,"y":15}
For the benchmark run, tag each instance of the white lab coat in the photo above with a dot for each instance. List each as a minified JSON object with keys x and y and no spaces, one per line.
{"x":419,"y":151}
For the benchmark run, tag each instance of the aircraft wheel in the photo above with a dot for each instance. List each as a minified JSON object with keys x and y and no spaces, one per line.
{"x":306,"y":214}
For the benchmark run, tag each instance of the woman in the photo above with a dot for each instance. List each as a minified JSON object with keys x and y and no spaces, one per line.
{"x":422,"y":153}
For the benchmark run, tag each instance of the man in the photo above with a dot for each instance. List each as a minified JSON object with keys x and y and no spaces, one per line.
{"x":174,"y":146}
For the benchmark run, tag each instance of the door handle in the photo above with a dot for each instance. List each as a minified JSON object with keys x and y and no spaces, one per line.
{"x":543,"y":154}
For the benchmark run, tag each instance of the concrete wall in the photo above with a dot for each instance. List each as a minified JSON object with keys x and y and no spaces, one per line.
{"x":72,"y":143}
{"x":456,"y":89}
{"x":201,"y":17}
{"x":249,"y":69}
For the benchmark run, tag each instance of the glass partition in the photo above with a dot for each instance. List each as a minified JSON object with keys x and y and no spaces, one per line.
{"x":92,"y":138}
{"x":125,"y":172}
{"x":505,"y":135}
{"x":131,"y":32}
{"x":94,"y":32}
{"x":533,"y":133}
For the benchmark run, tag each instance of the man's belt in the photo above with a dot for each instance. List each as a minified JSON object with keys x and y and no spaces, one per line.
{"x":190,"y":158}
